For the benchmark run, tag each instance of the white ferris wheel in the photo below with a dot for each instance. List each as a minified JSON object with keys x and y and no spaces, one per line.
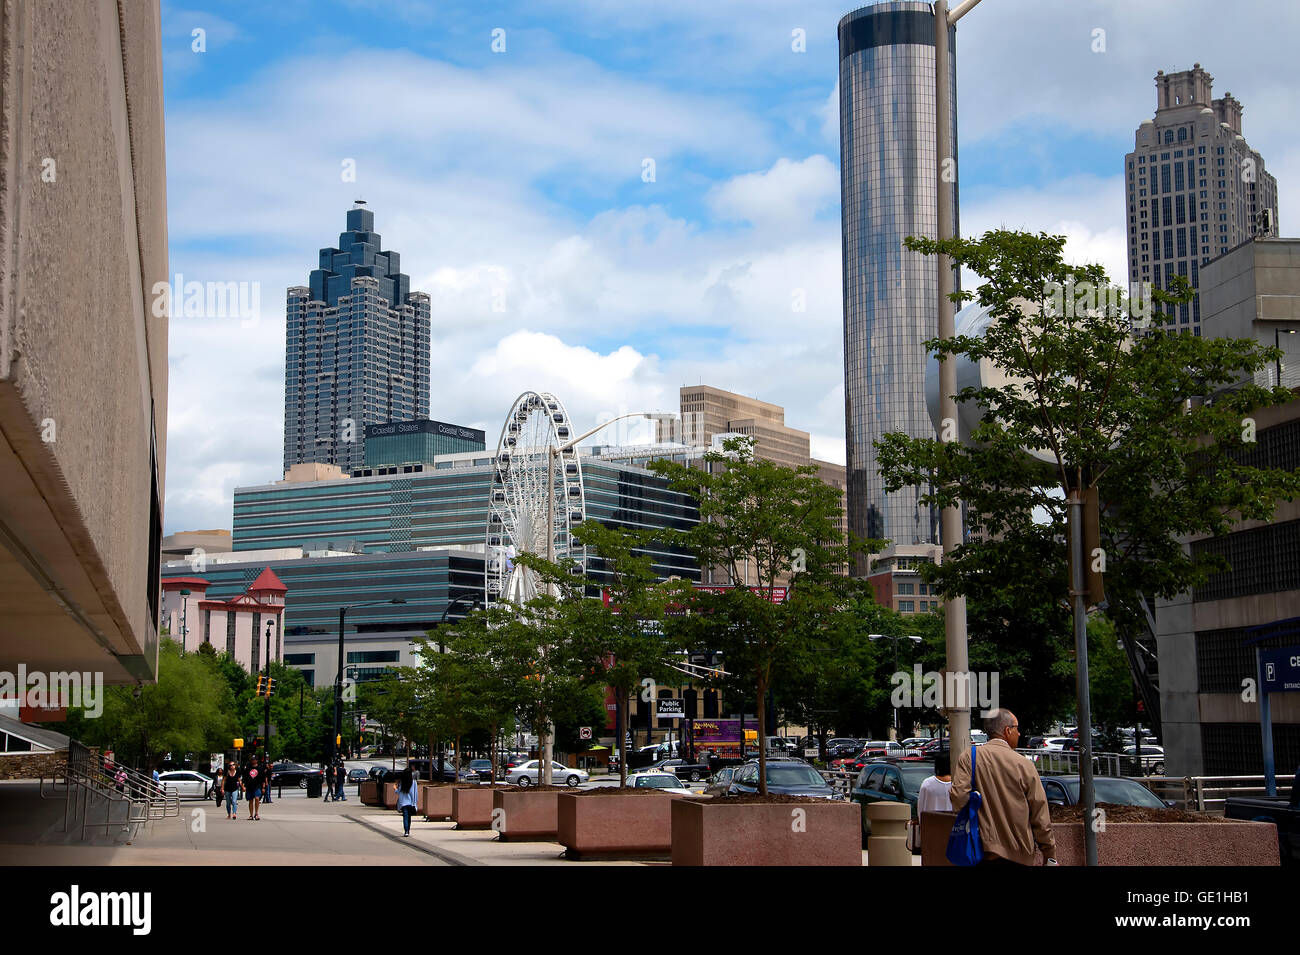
{"x":536,"y":498}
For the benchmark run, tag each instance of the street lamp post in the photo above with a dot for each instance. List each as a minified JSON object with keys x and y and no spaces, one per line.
{"x":442,"y":648}
{"x":547,"y":749}
{"x":266,"y":719}
{"x":950,"y":520}
{"x":894,"y":640}
{"x":338,"y":678}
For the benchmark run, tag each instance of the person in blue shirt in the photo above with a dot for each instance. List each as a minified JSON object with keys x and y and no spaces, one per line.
{"x":407,"y":797}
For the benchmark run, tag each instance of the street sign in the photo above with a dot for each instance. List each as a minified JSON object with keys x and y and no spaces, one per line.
{"x":669,"y":709}
{"x":363,"y":722}
{"x":584,"y":732}
{"x":1281,"y":670}
{"x":810,"y":751}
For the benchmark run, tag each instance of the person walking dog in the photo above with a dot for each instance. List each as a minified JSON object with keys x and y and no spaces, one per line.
{"x":1014,"y":821}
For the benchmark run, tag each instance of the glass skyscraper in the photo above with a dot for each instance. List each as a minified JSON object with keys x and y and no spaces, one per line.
{"x":356,"y":350}
{"x":888,"y":177}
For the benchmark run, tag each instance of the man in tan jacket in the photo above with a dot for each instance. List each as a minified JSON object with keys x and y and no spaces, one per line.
{"x":1013,"y":817}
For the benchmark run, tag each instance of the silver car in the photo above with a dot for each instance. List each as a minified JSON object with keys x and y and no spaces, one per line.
{"x":529,"y":774}
{"x":184,"y":782}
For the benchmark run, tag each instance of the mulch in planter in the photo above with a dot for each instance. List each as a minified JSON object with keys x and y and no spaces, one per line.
{"x":754,"y":799}
{"x":612,"y":791}
{"x":1115,"y":813}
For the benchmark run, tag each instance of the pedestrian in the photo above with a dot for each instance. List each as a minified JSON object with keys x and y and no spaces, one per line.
{"x":231,"y":785}
{"x":266,"y":780}
{"x":934,"y":796}
{"x":157,"y":779}
{"x":327,"y":780}
{"x":1013,"y":817}
{"x":217,"y":785}
{"x":253,"y":789}
{"x":341,"y":777}
{"x":406,"y":797}
{"x":119,"y":780}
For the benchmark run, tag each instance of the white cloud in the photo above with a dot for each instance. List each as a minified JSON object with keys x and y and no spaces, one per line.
{"x":787,"y":196}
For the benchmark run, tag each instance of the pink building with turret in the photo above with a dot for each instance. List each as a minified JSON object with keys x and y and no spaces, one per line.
{"x":242,"y":626}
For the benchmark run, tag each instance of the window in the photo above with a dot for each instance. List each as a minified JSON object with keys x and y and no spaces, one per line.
{"x":906,"y":606}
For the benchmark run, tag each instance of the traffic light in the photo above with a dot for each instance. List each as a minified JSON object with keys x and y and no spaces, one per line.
{"x":261,"y":687}
{"x":270,"y":685}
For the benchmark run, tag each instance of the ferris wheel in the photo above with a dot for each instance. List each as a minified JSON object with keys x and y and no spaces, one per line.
{"x":536,"y":498}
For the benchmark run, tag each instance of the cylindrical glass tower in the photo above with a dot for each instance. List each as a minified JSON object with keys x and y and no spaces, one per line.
{"x":888,"y":177}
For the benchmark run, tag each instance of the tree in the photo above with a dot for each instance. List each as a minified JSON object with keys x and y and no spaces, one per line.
{"x":775,"y":526}
{"x":181,"y":713}
{"x":1158,"y":424}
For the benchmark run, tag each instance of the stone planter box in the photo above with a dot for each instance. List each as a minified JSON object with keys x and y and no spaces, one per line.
{"x":471,"y":807}
{"x":1171,"y":843}
{"x":723,"y":833}
{"x":1137,"y":843}
{"x":390,"y":795}
{"x":526,"y":814}
{"x":631,"y":825}
{"x":435,"y":801}
{"x":369,"y":792}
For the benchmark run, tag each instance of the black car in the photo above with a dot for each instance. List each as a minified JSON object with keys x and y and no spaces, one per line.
{"x":357,"y":775}
{"x":1116,"y":790}
{"x":292,"y":774}
{"x":783,"y":779}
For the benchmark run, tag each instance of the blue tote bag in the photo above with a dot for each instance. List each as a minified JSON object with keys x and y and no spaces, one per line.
{"x":964,"y":844}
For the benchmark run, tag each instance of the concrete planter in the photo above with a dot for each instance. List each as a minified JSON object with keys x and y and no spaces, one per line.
{"x":390,"y":795}
{"x":369,"y":791}
{"x":631,"y":825}
{"x":435,"y":801}
{"x":471,"y":807}
{"x":1137,"y":843}
{"x":1171,"y":843}
{"x":821,"y":833}
{"x":523,"y":815}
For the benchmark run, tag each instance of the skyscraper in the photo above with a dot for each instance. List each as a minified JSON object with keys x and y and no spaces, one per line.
{"x":356,"y":350}
{"x":888,"y":177}
{"x":1195,"y":188}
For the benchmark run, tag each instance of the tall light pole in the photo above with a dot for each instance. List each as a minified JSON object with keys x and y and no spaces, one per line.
{"x":338,"y":678}
{"x":266,"y":720}
{"x":546,"y":750}
{"x":894,"y":640}
{"x":950,"y":526}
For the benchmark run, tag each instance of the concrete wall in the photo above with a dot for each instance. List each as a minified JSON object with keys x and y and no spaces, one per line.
{"x":83,"y":357}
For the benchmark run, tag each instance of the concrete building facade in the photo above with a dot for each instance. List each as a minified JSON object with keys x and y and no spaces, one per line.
{"x":83,"y":336}
{"x":1194,"y":188}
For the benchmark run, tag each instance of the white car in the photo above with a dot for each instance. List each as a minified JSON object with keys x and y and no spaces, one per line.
{"x":666,"y":781}
{"x":529,"y":774}
{"x":1056,"y":744}
{"x":184,"y":782}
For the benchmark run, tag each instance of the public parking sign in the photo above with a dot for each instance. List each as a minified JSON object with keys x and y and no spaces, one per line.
{"x":1281,"y":670}
{"x":669,"y":709}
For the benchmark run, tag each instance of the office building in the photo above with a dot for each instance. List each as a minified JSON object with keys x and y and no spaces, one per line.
{"x":889,"y":176}
{"x":1206,"y":639}
{"x":377,"y":638}
{"x":83,"y":337}
{"x":403,"y":443}
{"x":1194,"y":188}
{"x":245,"y":625}
{"x":356,"y":350}
{"x":895,"y":577}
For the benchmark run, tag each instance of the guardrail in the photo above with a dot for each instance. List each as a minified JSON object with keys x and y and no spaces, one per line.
{"x":139,"y":797}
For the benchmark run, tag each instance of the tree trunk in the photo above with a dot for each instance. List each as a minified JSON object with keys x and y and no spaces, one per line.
{"x":762,"y":734}
{"x":492,"y":748}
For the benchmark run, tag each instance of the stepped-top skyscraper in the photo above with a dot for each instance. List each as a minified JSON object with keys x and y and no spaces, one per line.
{"x":888,"y":175}
{"x":356,"y":350}
{"x":1195,"y":188}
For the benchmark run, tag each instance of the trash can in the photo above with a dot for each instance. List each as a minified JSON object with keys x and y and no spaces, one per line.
{"x":313,"y":787}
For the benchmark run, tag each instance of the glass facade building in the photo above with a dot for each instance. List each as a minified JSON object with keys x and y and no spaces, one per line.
{"x":445,"y":506}
{"x":410,"y":442}
{"x":888,"y":175}
{"x":356,"y":350}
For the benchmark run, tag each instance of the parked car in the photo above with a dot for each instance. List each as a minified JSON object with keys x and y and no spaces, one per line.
{"x":185,"y":783}
{"x":841,"y":746}
{"x":292,"y":774}
{"x":1120,"y":790}
{"x":1283,"y":813}
{"x":481,"y":769}
{"x":893,"y":781}
{"x":1153,"y":759}
{"x":781,"y":744}
{"x":783,"y":779}
{"x":682,"y":769}
{"x":529,"y":774}
{"x":647,"y":779}
{"x":721,"y":781}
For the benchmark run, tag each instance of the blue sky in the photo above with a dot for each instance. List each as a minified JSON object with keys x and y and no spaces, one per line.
{"x":516,"y":177}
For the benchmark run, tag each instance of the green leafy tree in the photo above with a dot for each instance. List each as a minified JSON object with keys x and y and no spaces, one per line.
{"x":1159,"y":424}
{"x":772,"y":526}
